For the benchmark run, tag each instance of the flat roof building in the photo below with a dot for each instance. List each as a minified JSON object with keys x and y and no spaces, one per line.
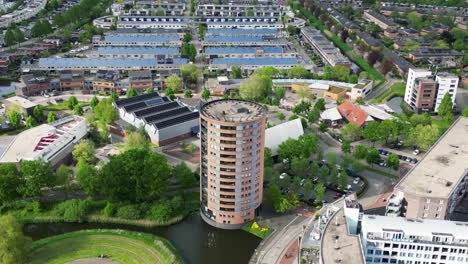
{"x":51,"y":142}
{"x":231,"y":178}
{"x":434,"y":187}
{"x":164,"y":120}
{"x":324,"y":47}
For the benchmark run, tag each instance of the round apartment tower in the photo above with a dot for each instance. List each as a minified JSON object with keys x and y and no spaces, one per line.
{"x":231,"y":166}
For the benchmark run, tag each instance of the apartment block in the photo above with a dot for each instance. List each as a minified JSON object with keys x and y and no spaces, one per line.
{"x":238,"y":10}
{"x":436,"y":185}
{"x":232,"y":142}
{"x":424,"y":91}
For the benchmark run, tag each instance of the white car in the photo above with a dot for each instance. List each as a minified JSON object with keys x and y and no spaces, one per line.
{"x":283,"y":175}
{"x":416,"y":152}
{"x":357,"y":180}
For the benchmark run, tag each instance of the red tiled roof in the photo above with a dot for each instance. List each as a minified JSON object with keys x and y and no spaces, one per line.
{"x":352,"y":113}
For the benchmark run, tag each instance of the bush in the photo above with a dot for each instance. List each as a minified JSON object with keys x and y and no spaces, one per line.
{"x":73,"y":210}
{"x":161,"y":211}
{"x":109,"y":210}
{"x":130,"y":211}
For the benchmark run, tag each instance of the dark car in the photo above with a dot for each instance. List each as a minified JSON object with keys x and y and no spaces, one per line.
{"x":380,"y":151}
{"x":403,"y":157}
{"x":414,"y":161}
{"x":399,"y":156}
{"x":349,"y":171}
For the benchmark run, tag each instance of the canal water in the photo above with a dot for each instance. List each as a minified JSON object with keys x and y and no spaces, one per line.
{"x":196,"y":241}
{"x":6,"y":87}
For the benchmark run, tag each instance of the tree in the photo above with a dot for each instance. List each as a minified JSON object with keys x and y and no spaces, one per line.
{"x":268,"y":160}
{"x":373,"y":57}
{"x":114,"y":97}
{"x":422,"y":119}
{"x":300,"y":167}
{"x":173,"y":82}
{"x":352,"y":131}
{"x":353,"y":78}
{"x":51,"y":117}
{"x":105,"y":112}
{"x":10,"y":180}
{"x":87,"y":177}
{"x":372,"y":132}
{"x":334,"y":176}
{"x":296,"y":184}
{"x":71,"y":102}
{"x":459,"y":44}
{"x":149,"y":90}
{"x":94,"y":101}
{"x":308,"y":189}
{"x":323,"y":174}
{"x":393,"y":161}
{"x":344,"y":35}
{"x":465,"y":111}
{"x":30,"y":122}
{"x":280,"y":92}
{"x":313,"y":115}
{"x":346,"y":146}
{"x":19,"y":37}
{"x":356,"y":166}
{"x":314,"y":170}
{"x":15,"y":247}
{"x":78,"y":110}
{"x":423,"y":136}
{"x":441,"y":44}
{"x":136,"y":140}
{"x":37,"y":174}
{"x":320,"y":104}
{"x":343,"y":179}
{"x":38,"y":113}
{"x":190,"y":73}
{"x":298,"y":72}
{"x":188,"y":93}
{"x":135,"y":175}
{"x":360,"y":151}
{"x":373,"y":156}
{"x":415,"y":20}
{"x":255,"y":88}
{"x":14,"y":117}
{"x":236,"y":72}
{"x":269,"y":71}
{"x":183,"y":174}
{"x":84,"y":151}
{"x":303,"y":92}
{"x":64,"y":178}
{"x":387,"y":129}
{"x":169,"y":92}
{"x":445,"y":107}
{"x":9,"y":38}
{"x":132,"y":92}
{"x":205,"y":94}
{"x":319,"y":192}
{"x":331,"y":158}
{"x":387,"y":66}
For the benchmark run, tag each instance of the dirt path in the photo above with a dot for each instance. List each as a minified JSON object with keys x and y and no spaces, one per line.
{"x":153,"y":253}
{"x":93,"y":261}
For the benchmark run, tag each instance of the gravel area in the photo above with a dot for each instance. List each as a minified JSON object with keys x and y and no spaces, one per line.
{"x":93,"y":261}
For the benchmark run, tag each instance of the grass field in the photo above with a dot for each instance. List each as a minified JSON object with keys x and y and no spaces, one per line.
{"x":119,"y":245}
{"x":397,"y":89}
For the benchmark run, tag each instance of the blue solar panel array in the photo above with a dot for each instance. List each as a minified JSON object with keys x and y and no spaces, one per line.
{"x":235,"y":31}
{"x":256,"y":61}
{"x":234,"y":38}
{"x":166,"y":115}
{"x":138,"y":98}
{"x":94,"y":62}
{"x":157,"y":108}
{"x":136,"y":50}
{"x":176,"y":120}
{"x":141,"y":38}
{"x":241,"y":50}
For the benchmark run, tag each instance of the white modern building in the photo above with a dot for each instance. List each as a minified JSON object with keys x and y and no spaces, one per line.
{"x":164,"y":120}
{"x":51,"y":142}
{"x":413,"y":241}
{"x":424,"y":90}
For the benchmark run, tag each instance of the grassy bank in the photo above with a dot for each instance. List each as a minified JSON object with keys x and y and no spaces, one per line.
{"x":119,"y":245}
{"x":397,"y":89}
{"x":98,"y":211}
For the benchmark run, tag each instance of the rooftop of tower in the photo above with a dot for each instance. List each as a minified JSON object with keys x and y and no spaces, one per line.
{"x":233,"y":111}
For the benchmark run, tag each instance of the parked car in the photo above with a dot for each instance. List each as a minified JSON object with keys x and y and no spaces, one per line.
{"x":283,"y":175}
{"x":403,"y":157}
{"x":350,"y":171}
{"x":338,"y":195}
{"x":357,"y":180}
{"x":408,"y":159}
{"x":303,"y":182}
{"x":414,"y":161}
{"x":416,"y":152}
{"x":380,"y":151}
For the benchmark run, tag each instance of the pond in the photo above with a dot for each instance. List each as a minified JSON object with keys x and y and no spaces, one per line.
{"x":196,"y":241}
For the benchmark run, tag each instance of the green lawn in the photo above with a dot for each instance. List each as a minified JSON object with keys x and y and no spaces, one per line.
{"x":261,"y":232}
{"x":119,"y":245}
{"x":61,"y":107}
{"x":397,"y":89}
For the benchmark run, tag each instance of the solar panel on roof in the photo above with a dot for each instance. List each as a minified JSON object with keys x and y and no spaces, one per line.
{"x":234,"y":38}
{"x":137,"y":98}
{"x":141,"y":38}
{"x":177,"y":120}
{"x":167,"y":114}
{"x":155,"y":109}
{"x":134,"y":107}
{"x":154,"y":101}
{"x":256,"y":61}
{"x":137,"y":50}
